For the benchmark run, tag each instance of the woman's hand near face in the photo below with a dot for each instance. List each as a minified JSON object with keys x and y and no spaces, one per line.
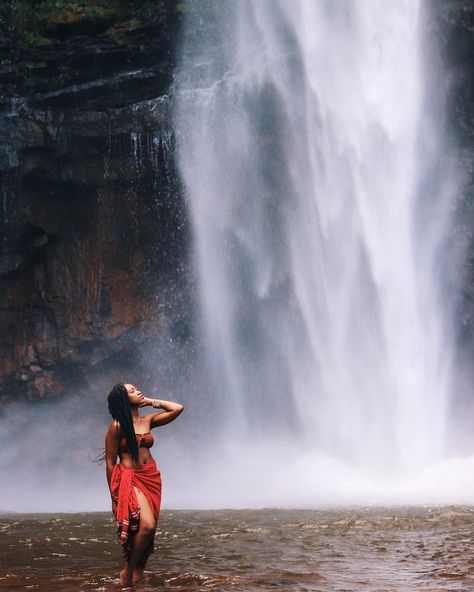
{"x":146,"y":402}
{"x":171,"y":410}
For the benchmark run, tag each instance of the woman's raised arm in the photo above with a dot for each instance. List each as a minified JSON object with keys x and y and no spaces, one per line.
{"x":170,"y":411}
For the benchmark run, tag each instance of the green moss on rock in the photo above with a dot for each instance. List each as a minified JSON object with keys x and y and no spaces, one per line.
{"x":29,"y":24}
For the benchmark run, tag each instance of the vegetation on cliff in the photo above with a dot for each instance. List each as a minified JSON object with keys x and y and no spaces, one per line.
{"x":47,"y":44}
{"x":94,"y":230}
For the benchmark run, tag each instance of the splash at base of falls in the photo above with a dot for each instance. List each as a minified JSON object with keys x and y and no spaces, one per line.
{"x":260,"y":476}
{"x":279,"y":475}
{"x":199,"y":472}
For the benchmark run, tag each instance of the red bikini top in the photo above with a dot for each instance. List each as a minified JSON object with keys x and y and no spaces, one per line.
{"x":143,"y":441}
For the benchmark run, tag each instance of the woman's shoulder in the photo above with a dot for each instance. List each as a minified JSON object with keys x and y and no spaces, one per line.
{"x":114,"y":427}
{"x":146,"y":423}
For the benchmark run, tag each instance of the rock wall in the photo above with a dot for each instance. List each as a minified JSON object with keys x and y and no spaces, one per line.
{"x":456,"y":31}
{"x":93,"y":255}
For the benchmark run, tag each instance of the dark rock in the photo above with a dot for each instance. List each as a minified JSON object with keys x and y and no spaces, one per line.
{"x":94,"y":250}
{"x":456,"y":30}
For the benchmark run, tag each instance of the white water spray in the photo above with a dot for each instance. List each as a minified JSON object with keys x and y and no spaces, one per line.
{"x":306,"y":149}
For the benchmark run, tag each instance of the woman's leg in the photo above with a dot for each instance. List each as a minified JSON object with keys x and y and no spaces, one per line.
{"x":146,"y":531}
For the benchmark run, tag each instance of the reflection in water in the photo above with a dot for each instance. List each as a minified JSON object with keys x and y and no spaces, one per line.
{"x":359,"y":549}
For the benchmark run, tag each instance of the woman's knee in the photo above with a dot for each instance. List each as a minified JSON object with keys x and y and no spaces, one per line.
{"x":147,"y":528}
{"x":147,"y":524}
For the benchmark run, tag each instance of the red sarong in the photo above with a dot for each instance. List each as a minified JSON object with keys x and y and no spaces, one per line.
{"x":147,"y":479}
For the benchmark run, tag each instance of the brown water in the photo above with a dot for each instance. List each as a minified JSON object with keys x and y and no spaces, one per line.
{"x":379,"y":550}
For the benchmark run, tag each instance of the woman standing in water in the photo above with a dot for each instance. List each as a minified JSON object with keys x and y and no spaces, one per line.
{"x":134,"y":482}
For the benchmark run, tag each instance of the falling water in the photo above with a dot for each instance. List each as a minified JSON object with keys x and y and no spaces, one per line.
{"x":311,"y":162}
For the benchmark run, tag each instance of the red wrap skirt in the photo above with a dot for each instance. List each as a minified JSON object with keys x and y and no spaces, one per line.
{"x":147,"y":479}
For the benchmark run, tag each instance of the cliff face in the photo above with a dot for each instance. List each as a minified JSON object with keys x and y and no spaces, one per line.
{"x":456,"y":22}
{"x":94,"y":233}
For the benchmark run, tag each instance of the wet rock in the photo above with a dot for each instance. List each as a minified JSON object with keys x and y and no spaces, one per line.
{"x":456,"y":30}
{"x":94,"y":231}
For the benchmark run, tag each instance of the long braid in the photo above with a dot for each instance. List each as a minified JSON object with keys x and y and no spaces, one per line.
{"x":119,"y":409}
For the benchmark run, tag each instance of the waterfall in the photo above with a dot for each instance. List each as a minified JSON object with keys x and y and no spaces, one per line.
{"x":311,"y":159}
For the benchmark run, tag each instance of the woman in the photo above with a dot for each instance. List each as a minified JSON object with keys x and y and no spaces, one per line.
{"x":134,"y":482}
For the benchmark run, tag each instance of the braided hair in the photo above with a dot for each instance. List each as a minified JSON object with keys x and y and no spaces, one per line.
{"x":119,"y":409}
